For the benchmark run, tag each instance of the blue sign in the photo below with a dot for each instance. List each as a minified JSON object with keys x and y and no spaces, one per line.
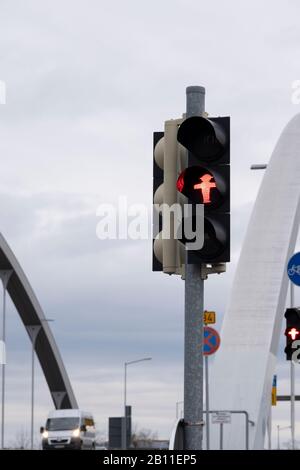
{"x":293,"y":269}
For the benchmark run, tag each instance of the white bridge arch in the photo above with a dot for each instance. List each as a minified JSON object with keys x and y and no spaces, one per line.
{"x":32,"y":314}
{"x":241,"y":377}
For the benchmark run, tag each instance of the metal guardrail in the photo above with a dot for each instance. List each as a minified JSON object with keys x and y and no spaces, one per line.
{"x":247,"y":422}
{"x":177,"y":440}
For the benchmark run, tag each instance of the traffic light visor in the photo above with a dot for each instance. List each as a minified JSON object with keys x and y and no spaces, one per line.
{"x":204,"y":138}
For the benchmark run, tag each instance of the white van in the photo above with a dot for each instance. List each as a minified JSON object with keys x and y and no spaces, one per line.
{"x":69,"y":429}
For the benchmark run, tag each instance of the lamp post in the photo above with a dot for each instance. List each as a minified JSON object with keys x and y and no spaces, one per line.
{"x":280,"y":428}
{"x":258,"y":166}
{"x":124,"y":422}
{"x":177,"y":409}
{"x":33,"y":331}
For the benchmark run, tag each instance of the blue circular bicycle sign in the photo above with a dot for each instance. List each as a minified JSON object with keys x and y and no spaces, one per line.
{"x":293,"y":269}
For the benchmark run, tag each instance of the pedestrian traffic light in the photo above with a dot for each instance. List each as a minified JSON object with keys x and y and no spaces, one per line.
{"x":169,"y":158}
{"x":206,"y":180}
{"x":292,"y":331}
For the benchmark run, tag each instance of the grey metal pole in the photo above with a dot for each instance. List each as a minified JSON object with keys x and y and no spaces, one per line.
{"x":193,"y":334}
{"x":270,"y":429}
{"x":3,"y":368}
{"x":221,"y":436}
{"x":293,"y":404}
{"x":32,"y":395}
{"x":177,"y":403}
{"x":124,"y":420}
{"x":125,"y":387}
{"x":33,"y":331}
{"x":5,"y":276}
{"x":292,"y":382}
{"x":207,"y":402}
{"x":124,"y":424}
{"x":177,"y":408}
{"x":247,"y":430}
{"x":280,"y":428}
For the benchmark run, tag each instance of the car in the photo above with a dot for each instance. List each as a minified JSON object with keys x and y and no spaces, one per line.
{"x":69,"y":429}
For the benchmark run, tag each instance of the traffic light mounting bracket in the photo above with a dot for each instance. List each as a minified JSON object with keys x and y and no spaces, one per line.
{"x":207,"y":269}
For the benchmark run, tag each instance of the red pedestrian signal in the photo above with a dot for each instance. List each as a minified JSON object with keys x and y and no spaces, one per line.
{"x":207,"y":183}
{"x":292,"y":331}
{"x":208,"y":187}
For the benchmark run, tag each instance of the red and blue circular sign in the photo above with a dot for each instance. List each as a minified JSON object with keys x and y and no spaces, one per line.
{"x":293,"y":269}
{"x":211,"y":340}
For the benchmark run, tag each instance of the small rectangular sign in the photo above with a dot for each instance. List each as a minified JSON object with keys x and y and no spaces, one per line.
{"x":274,"y":396}
{"x":209,"y":318}
{"x":221,"y":417}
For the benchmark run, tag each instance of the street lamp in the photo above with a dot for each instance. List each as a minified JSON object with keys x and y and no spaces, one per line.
{"x":33,"y":331}
{"x":177,"y":408}
{"x":259,"y":166}
{"x":280,"y":428}
{"x":124,"y":424}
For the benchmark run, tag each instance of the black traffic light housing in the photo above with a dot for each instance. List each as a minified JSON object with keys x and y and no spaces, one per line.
{"x":206,"y":180}
{"x":292,"y":331}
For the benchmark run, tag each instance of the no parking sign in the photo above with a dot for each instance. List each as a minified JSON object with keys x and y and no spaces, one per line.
{"x":211,"y":340}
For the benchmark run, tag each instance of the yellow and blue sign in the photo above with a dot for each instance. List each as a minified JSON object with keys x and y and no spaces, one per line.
{"x":274,"y":391}
{"x":209,"y":317}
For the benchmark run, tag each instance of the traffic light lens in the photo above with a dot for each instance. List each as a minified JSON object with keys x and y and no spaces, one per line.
{"x":202,"y":137}
{"x":214,"y":239}
{"x":180,"y":182}
{"x":203,"y":187}
{"x":293,"y":333}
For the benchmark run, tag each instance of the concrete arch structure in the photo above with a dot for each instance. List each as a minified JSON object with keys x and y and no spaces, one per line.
{"x":241,"y":377}
{"x":32,"y":314}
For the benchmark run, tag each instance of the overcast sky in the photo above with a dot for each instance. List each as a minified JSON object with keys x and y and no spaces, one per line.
{"x":87,"y":83}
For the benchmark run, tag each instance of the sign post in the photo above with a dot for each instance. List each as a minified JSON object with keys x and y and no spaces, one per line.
{"x":211,"y":342}
{"x":293,"y":271}
{"x":221,"y":417}
{"x":194,"y":297}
